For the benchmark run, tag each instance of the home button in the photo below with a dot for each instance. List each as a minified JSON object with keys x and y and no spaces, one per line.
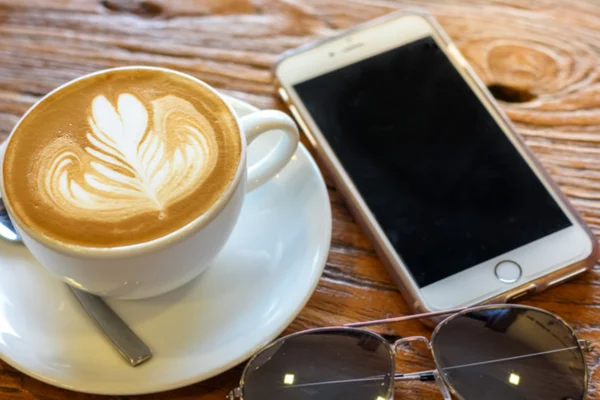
{"x":508,"y":271}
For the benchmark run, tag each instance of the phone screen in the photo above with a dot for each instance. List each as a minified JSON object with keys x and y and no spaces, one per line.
{"x":442,"y":179}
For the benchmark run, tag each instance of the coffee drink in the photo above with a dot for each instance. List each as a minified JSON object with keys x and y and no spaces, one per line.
{"x":120,"y":158}
{"x":128,"y":182}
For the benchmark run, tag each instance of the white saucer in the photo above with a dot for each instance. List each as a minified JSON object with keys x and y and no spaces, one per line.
{"x":256,"y":287}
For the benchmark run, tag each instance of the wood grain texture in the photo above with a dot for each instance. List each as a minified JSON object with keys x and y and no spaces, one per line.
{"x":541,"y":56}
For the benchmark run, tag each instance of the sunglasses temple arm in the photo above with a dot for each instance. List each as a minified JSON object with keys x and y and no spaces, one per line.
{"x":403,"y":318}
{"x":413,"y":376}
{"x":416,"y":376}
{"x":430,"y":375}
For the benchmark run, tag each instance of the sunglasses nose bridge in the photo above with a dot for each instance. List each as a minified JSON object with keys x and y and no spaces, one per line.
{"x":409,"y":339}
{"x":438,"y":379}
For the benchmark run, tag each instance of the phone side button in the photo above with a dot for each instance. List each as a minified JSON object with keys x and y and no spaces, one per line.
{"x":522,"y":292}
{"x":303,"y":126}
{"x":284,"y":95}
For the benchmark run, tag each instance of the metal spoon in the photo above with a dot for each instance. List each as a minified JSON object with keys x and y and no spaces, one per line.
{"x":131,"y":347}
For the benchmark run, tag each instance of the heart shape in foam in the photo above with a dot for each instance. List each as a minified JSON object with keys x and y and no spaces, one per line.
{"x":145,"y":157}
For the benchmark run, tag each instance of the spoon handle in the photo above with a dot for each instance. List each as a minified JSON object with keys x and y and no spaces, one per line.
{"x":131,"y":347}
{"x":7,"y":230}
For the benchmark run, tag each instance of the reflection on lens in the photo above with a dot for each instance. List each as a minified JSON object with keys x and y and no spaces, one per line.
{"x":510,"y":353}
{"x":327,"y":364}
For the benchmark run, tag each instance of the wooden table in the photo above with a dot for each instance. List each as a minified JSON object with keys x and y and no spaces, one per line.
{"x":542,"y":58}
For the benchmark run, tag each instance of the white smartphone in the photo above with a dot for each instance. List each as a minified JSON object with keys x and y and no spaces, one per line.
{"x":455,"y":204}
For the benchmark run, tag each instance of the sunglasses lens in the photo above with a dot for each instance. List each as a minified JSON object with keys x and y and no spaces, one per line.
{"x":322,"y":365}
{"x":510,"y":353}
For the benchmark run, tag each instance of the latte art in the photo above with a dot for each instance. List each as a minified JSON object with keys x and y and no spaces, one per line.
{"x":121,"y":157}
{"x":131,"y":160}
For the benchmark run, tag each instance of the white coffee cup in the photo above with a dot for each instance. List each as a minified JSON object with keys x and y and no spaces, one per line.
{"x":161,"y":265}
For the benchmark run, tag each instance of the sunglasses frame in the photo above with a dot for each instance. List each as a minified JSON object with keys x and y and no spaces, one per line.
{"x":436,"y":374}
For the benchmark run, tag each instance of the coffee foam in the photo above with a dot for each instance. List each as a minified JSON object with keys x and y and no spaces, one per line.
{"x":142,"y":154}
{"x":129,"y":162}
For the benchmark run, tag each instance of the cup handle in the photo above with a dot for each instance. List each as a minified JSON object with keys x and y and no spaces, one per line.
{"x":256,"y":124}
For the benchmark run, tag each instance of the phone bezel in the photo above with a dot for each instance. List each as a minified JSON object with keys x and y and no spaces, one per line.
{"x":543,"y":261}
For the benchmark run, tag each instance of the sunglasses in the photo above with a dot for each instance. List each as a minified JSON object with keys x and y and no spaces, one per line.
{"x":495,"y":352}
